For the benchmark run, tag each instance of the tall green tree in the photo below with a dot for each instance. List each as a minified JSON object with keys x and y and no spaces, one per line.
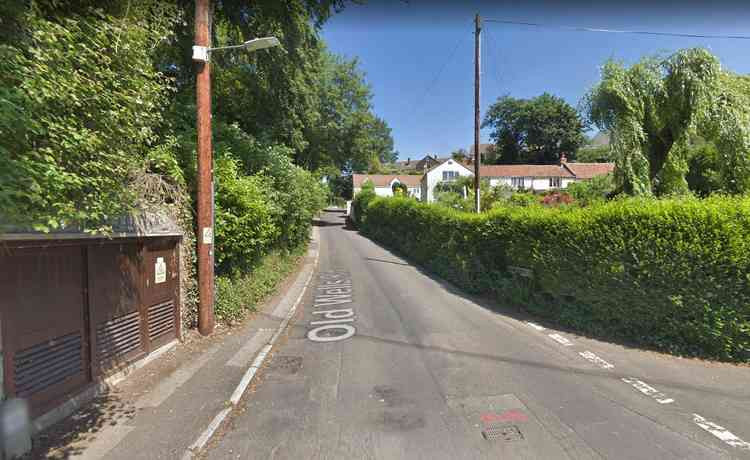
{"x":537,"y":130}
{"x":655,"y":107}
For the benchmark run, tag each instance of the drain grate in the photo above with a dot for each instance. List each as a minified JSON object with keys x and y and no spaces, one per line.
{"x":502,"y":433}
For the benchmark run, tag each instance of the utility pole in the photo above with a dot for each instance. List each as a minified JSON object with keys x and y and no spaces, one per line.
{"x":205,"y":236}
{"x":477,"y":155}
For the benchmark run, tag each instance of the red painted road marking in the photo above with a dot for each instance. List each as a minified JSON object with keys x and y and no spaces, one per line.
{"x":512,"y":415}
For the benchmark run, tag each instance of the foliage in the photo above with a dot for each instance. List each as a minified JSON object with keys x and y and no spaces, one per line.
{"x":245,"y":217}
{"x":655,"y":107}
{"x":670,"y":274}
{"x":80,"y":107}
{"x":593,"y":190}
{"x":537,"y":130}
{"x":361,"y":201}
{"x":460,"y":155}
{"x":238,"y":294}
{"x":400,"y":189}
{"x":601,"y":154}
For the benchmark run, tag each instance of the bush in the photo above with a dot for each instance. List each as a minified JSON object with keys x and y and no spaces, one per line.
{"x":669,"y":274}
{"x":361,"y":201}
{"x":594,"y":190}
{"x":238,"y":294}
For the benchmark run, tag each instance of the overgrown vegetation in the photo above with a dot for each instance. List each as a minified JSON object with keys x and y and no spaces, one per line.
{"x":95,"y":97}
{"x":670,"y":274}
{"x":238,"y":294}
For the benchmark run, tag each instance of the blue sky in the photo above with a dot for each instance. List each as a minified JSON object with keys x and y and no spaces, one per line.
{"x":403,"y":46}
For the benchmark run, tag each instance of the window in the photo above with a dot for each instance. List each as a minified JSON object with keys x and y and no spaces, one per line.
{"x":555,"y":182}
{"x":517,"y":182}
{"x":450,"y":175}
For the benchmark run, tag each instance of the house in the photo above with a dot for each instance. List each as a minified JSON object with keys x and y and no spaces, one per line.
{"x":447,"y":171}
{"x":427,"y":162}
{"x":384,"y":183}
{"x":535,"y":178}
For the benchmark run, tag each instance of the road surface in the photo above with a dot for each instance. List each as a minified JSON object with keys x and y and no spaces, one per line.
{"x":384,"y":361}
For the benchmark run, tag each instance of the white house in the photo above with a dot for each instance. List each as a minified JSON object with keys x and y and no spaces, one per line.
{"x":446,"y":171}
{"x":536,"y":178}
{"x":384,"y":183}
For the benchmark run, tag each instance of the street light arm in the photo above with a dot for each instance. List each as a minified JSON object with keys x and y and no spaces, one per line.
{"x":202,"y":53}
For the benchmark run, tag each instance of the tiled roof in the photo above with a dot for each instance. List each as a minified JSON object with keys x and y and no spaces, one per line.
{"x":384,"y":180}
{"x":524,"y":171}
{"x":589,"y":170}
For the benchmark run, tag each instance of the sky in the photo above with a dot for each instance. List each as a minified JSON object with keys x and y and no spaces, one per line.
{"x":418,"y":56}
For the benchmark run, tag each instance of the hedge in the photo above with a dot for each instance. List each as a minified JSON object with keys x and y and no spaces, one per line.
{"x":668,"y":274}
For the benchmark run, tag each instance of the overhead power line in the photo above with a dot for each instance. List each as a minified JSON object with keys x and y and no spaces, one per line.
{"x":617,"y":31}
{"x":434,"y":80}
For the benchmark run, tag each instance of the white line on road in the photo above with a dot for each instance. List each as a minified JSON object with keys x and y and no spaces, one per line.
{"x":560,"y":339}
{"x":250,"y":372}
{"x":248,"y":351}
{"x":535,"y":326}
{"x":589,"y":356}
{"x":720,"y":432}
{"x":648,"y":390}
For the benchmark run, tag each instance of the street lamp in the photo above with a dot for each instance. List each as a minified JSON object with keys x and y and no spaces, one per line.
{"x":204,"y":200}
{"x":203,"y":53}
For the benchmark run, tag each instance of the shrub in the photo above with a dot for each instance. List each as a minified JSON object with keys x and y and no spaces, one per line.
{"x":238,"y":294}
{"x":670,"y":274}
{"x":593,"y":190}
{"x":361,"y":201}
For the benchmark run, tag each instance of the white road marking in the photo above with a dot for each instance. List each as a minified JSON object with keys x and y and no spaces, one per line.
{"x":589,"y":356}
{"x":250,"y":372}
{"x":535,"y":326}
{"x":560,"y":339}
{"x":721,"y":432}
{"x":648,"y":390}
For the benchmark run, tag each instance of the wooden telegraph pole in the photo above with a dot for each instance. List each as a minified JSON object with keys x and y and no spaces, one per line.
{"x":477,"y":155}
{"x":205,"y":236}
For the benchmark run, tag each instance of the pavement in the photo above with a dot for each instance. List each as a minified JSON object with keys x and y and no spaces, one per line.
{"x":385,"y":361}
{"x":162,"y":409}
{"x":376,"y":358}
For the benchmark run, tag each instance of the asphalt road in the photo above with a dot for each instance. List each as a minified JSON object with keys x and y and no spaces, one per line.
{"x":385,"y":361}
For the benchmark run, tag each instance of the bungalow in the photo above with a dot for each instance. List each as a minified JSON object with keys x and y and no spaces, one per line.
{"x":384,"y":183}
{"x":522,"y":176}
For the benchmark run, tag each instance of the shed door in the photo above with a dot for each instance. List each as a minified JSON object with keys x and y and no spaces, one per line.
{"x":161,"y":278}
{"x":42,"y":306}
{"x":117,"y":331}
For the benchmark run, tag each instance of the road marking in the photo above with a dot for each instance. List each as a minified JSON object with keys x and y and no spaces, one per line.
{"x":648,"y":390}
{"x":535,"y":326}
{"x":335,"y":289}
{"x":195,"y":448}
{"x":589,"y":356}
{"x":560,"y":339}
{"x":721,"y":432}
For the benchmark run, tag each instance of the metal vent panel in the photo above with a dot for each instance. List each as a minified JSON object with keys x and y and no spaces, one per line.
{"x":46,"y":364}
{"x":118,"y":336}
{"x":161,"y":320}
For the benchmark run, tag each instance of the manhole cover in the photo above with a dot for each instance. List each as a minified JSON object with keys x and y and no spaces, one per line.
{"x":502,"y":433}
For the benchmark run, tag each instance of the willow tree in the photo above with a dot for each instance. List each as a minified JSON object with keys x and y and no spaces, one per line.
{"x":654,"y":109}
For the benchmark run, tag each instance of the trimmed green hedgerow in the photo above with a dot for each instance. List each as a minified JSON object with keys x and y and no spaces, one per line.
{"x":668,"y":274}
